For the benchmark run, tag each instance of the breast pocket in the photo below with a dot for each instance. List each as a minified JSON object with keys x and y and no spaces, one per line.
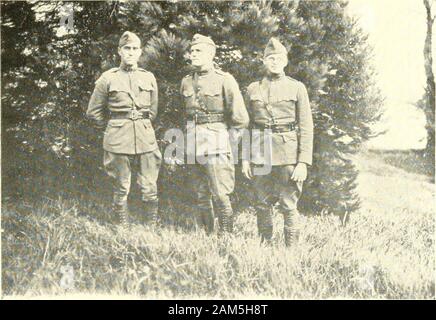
{"x":188,"y":97}
{"x":256,"y":101}
{"x":145,"y":91}
{"x":284,"y":97}
{"x":259,"y":109}
{"x":117,"y":92}
{"x":213,"y":98}
{"x":284,"y":107}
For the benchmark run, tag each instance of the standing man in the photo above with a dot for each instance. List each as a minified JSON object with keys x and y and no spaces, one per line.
{"x":213,"y":103}
{"x":281,"y":116}
{"x":130,"y":95}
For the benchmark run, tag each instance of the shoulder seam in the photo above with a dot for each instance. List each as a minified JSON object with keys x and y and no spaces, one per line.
{"x":219,"y":71}
{"x":290,"y":78}
{"x":112,"y":70}
{"x":254,"y":83}
{"x":142,"y":69}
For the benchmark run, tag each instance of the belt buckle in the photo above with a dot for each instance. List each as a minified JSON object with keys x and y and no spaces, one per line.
{"x":134,"y":115}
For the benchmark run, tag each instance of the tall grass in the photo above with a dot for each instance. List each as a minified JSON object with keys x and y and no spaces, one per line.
{"x":386,"y":250}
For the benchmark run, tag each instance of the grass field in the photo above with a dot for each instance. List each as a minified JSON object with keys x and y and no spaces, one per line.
{"x":385,"y":251}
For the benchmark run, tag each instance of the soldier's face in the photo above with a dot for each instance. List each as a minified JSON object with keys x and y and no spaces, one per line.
{"x":130,"y":53}
{"x":201,"y":54}
{"x":275,"y":63}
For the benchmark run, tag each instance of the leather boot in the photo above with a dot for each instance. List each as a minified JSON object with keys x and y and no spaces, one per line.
{"x":265,"y":223}
{"x":225,"y":216}
{"x":291,"y":228}
{"x":151,"y":209}
{"x":209,"y":220}
{"x":121,"y":213}
{"x":205,"y":217}
{"x":228,"y":220}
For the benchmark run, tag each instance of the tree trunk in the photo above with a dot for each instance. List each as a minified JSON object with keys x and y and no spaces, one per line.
{"x":429,"y":99}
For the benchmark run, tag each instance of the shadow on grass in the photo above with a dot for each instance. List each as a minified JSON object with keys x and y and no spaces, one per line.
{"x":412,"y":161}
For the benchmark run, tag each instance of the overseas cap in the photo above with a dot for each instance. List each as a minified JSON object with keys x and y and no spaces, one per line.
{"x":274,"y":46}
{"x":198,"y":38}
{"x":128,"y":37}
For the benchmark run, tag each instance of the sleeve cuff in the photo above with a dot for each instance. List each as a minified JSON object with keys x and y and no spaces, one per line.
{"x":305,"y":159}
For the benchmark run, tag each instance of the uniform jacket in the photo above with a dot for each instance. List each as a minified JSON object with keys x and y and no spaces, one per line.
{"x":217,"y":92}
{"x":280,"y":99}
{"x":119,"y":90}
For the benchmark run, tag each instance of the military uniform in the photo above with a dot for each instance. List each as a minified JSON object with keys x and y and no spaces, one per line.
{"x":213,"y":103}
{"x":280,"y":104}
{"x":131,"y":97}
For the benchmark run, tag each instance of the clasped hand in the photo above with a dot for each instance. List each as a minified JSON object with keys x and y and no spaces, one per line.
{"x":299,"y":174}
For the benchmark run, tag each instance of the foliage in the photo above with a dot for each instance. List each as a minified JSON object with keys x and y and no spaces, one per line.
{"x":48,"y":78}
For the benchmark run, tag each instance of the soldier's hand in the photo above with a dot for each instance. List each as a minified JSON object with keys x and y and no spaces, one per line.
{"x":172,"y":164}
{"x":172,"y":167}
{"x":300,"y":172}
{"x":246,"y":169}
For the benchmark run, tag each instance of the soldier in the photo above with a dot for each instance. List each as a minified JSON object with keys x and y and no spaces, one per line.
{"x":213,"y":103}
{"x":130,"y":95}
{"x":280,"y":104}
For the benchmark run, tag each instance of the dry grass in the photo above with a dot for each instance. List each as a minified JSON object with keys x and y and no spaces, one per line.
{"x":385,"y":251}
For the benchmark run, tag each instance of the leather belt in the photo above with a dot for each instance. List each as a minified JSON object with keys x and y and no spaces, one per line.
{"x":131,"y":114}
{"x":201,"y":118}
{"x":276,"y":127}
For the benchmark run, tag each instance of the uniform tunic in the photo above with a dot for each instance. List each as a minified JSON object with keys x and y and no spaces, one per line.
{"x":281,"y":100}
{"x":128,"y":143}
{"x":120,"y":91}
{"x":213,"y":92}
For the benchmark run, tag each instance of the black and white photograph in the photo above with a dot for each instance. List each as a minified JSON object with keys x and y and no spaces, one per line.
{"x":218,"y":150}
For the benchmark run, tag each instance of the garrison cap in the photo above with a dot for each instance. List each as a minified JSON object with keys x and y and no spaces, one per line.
{"x":198,"y":38}
{"x":274,"y":46}
{"x":128,"y":37}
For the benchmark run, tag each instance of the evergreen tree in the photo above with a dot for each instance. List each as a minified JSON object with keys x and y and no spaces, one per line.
{"x":327,"y":52}
{"x":25,"y":65}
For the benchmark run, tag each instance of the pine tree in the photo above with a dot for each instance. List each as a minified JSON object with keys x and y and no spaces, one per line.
{"x":327,"y":52}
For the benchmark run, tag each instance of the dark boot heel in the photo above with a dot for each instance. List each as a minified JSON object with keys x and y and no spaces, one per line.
{"x":122,"y":214}
{"x":151,"y":209}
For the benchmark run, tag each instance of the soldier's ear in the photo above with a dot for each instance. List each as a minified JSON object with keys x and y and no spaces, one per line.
{"x":213,"y":52}
{"x":264,"y":61}
{"x":286,"y":60}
